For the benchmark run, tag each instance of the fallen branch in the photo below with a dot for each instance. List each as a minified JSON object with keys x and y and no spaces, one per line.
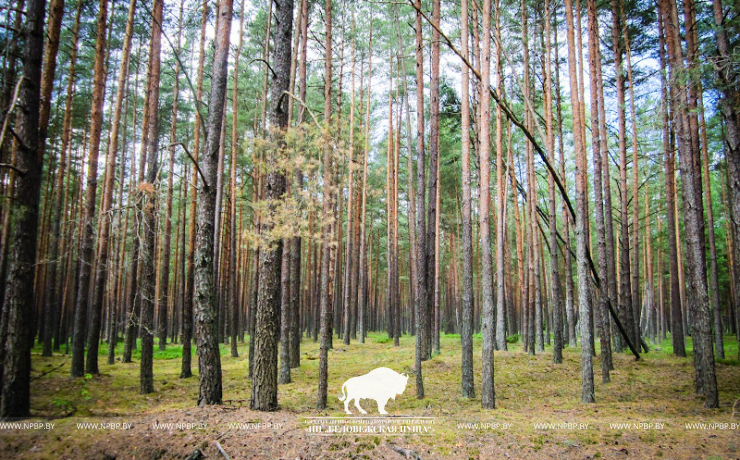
{"x":223,"y":452}
{"x":48,"y":372}
{"x":408,"y":454}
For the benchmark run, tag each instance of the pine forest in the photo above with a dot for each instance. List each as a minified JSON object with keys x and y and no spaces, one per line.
{"x":217,"y":217}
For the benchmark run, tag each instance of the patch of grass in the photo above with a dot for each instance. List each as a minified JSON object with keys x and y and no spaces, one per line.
{"x":529,"y":390}
{"x":382,"y":339}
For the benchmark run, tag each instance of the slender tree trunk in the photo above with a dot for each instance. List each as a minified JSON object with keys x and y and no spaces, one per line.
{"x":364,"y":267}
{"x":570,"y":314}
{"x":594,"y":53}
{"x":233,"y":301}
{"x":164,"y":280}
{"x":206,"y":329}
{"x":101,"y":274}
{"x":131,"y":296}
{"x":677,"y":332}
{"x":635,"y":255}
{"x":349,"y":268}
{"x":56,"y":11}
{"x":626,"y":307}
{"x":466,"y":332}
{"x":326,"y":288}
{"x":284,"y":313}
{"x":296,"y":247}
{"x":556,"y":295}
{"x":52,"y":302}
{"x":706,"y":381}
{"x":390,"y":201}
{"x":488,"y":395}
{"x":431,"y":283}
{"x":397,"y":326}
{"x":149,"y":195}
{"x":86,"y":250}
{"x":583,"y":269}
{"x":422,"y":297}
{"x":188,"y":304}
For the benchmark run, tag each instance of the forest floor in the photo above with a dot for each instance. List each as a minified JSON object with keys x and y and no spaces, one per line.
{"x":648,"y":411}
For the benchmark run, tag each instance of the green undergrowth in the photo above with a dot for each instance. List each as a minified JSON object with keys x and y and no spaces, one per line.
{"x":529,"y":389}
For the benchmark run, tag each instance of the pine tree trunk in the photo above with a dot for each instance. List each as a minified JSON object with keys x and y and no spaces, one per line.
{"x":583,"y":269}
{"x":326,"y":288}
{"x":284,"y":314}
{"x":56,"y":11}
{"x":362,"y":303}
{"x":676,"y":322}
{"x":101,"y":274}
{"x":130,"y":296}
{"x":233,"y":300}
{"x":205,"y":306}
{"x":296,"y":248}
{"x":635,"y":257}
{"x":54,"y":282}
{"x":594,"y":53}
{"x":731,"y":114}
{"x":466,"y":332}
{"x":349,"y":268}
{"x":431,"y":257}
{"x":706,"y":381}
{"x":188,"y":304}
{"x":422,"y":297}
{"x":149,"y":194}
{"x":86,"y":249}
{"x":488,"y":395}
{"x":19,"y":300}
{"x":556,"y":295}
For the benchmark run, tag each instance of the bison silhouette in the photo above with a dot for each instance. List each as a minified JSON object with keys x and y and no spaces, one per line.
{"x":380,"y":384}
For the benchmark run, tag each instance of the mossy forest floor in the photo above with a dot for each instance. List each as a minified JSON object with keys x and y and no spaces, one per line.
{"x":538,"y":414}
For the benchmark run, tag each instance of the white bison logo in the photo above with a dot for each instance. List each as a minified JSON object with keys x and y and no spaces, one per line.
{"x":380,"y":384}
